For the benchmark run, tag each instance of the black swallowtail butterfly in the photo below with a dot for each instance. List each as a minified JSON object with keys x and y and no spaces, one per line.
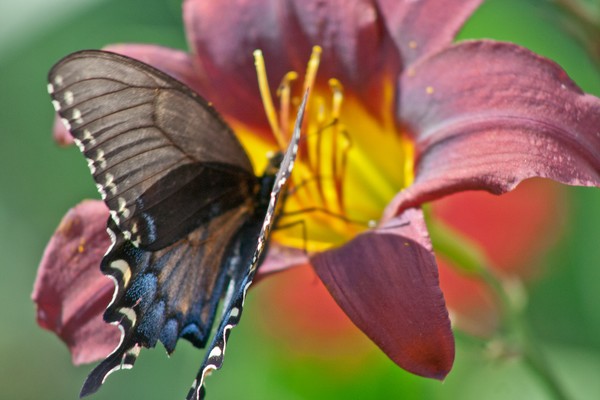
{"x":189,"y":217}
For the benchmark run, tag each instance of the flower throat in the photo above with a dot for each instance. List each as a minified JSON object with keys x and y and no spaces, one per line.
{"x":321,"y":174}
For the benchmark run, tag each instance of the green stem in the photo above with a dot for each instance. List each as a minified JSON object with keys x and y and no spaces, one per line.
{"x":518,"y":328}
{"x":469,"y":259}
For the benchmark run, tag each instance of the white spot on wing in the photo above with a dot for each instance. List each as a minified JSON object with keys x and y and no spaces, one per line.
{"x":100,"y":160}
{"x":128,"y":313}
{"x":117,"y":368}
{"x":66,"y":123}
{"x":69,"y":97}
{"x":117,"y":220}
{"x":91,"y":165}
{"x":114,"y":296}
{"x":215,"y":352}
{"x":50,"y":88}
{"x":79,"y":144}
{"x":123,"y":210}
{"x":56,"y":105}
{"x":88,"y":136}
{"x":113,"y":240}
{"x":109,"y":185}
{"x":134,"y":351}
{"x":77,"y":116}
{"x":101,"y":191}
{"x":123,"y":267}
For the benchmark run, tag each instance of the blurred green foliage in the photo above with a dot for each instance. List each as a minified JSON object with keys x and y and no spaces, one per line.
{"x":40,"y":181}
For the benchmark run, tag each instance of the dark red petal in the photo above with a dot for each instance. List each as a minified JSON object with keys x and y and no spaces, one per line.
{"x":70,"y":292}
{"x":420,"y":28}
{"x":356,"y":50}
{"x":386,"y":280}
{"x":487,"y":115}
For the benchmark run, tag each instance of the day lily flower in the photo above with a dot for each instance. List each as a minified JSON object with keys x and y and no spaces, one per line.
{"x":516,"y":234}
{"x":398,"y":116}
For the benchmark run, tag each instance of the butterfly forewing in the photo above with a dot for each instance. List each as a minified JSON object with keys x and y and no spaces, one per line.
{"x":139,"y":128}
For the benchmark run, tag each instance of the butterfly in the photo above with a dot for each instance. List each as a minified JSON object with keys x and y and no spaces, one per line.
{"x":189,"y":219}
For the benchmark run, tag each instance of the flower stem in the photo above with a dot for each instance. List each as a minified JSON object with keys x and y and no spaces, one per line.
{"x":520,"y":331}
{"x":469,"y":259}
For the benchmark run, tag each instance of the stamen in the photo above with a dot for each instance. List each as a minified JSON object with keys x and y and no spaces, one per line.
{"x":321,"y":159}
{"x":409,"y":155}
{"x":338,"y":97}
{"x":338,"y":164}
{"x":318,"y":154}
{"x":265,"y":94}
{"x":284,"y":94}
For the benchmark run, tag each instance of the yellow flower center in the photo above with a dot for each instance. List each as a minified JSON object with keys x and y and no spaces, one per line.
{"x":350,"y":164}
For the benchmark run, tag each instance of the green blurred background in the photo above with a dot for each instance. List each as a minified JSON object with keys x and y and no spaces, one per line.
{"x":39,"y":181}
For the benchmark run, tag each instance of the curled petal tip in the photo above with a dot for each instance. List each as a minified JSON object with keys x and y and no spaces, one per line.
{"x":387,"y":283}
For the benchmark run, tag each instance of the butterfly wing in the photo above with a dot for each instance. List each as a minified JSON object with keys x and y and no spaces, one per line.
{"x":165,"y":294}
{"x":147,"y":139}
{"x":250,"y":245}
{"x":179,"y":187}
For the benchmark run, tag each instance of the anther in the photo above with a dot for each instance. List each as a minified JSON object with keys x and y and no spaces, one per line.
{"x":312,"y":67}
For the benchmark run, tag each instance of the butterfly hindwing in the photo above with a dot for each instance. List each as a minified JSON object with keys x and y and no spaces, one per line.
{"x":142,"y":131}
{"x":166,"y":294}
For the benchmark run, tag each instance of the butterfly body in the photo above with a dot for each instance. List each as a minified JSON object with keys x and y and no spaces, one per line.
{"x":189,"y":217}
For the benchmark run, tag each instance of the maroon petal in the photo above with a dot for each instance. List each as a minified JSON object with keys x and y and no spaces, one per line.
{"x":70,"y":291}
{"x":355,"y":48}
{"x":420,"y":28}
{"x":486,"y":115}
{"x":386,"y":280}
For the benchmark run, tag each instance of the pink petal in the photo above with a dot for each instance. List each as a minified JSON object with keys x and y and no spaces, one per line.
{"x":487,"y":115}
{"x":176,"y":63}
{"x":355,"y":48}
{"x":386,"y":280}
{"x":60,"y":133}
{"x":70,"y":292}
{"x":420,"y":28}
{"x":280,"y":258}
{"x":516,"y":230}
